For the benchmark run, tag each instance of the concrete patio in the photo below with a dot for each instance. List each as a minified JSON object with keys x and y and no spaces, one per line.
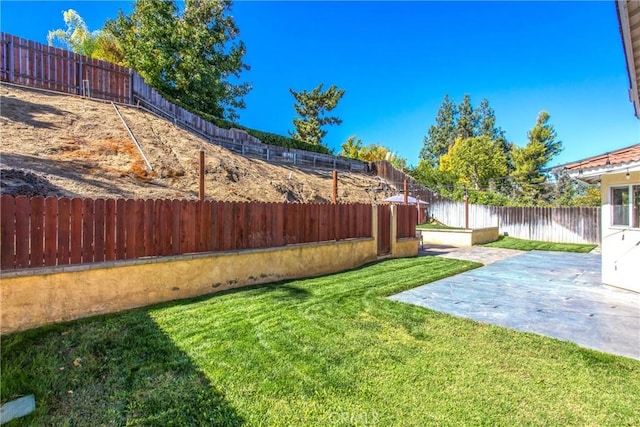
{"x":555,"y":294}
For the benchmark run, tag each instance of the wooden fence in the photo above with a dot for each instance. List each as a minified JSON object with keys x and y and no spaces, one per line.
{"x":40,"y":232}
{"x":236,"y":140}
{"x":29,"y":63}
{"x":563,"y":225}
{"x":33,"y":64}
{"x":407,"y":221}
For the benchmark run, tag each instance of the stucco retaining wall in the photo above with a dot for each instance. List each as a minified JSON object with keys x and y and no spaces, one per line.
{"x":459,"y":237}
{"x":35,"y":297}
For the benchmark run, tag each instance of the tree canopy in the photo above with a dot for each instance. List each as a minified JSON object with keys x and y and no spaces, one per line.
{"x":77,"y":38}
{"x":190,"y":53}
{"x":466,"y":147}
{"x":441,"y":135}
{"x":354,"y":149}
{"x":475,"y":161}
{"x":312,"y":107}
{"x":529,"y":161}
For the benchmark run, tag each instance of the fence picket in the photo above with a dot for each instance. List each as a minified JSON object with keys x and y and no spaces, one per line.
{"x":88,"y":222}
{"x":99,"y":230}
{"x":129,"y":221}
{"x":23,"y":213}
{"x":64,"y":231}
{"x":110,"y":230}
{"x":36,"y":258}
{"x":50,"y":231}
{"x":121,"y":229}
{"x":75,"y":231}
{"x":7,"y":232}
{"x":149,"y":210}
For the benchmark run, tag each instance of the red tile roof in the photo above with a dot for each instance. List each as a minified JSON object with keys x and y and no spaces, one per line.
{"x":618,"y":157}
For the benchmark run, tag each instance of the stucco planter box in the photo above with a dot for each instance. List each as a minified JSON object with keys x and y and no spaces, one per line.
{"x":458,"y":237}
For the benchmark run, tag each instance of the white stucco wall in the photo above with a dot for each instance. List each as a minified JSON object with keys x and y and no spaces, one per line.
{"x":620,"y":244}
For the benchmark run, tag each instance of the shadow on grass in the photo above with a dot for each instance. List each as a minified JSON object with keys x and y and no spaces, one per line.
{"x":109,"y":370}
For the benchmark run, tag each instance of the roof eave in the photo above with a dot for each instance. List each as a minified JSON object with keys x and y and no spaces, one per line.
{"x":592,"y":175}
{"x":622,"y":8}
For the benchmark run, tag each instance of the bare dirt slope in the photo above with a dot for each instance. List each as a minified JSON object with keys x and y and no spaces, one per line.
{"x":60,"y":145}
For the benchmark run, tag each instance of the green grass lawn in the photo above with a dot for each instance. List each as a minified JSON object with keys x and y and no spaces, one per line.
{"x":534,"y":245}
{"x":325,"y":351}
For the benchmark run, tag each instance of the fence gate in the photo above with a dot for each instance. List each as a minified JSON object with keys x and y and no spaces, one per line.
{"x":384,"y":229}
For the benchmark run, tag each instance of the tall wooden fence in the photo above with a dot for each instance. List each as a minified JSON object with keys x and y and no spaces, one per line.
{"x":29,"y":63}
{"x":33,"y":64}
{"x":40,"y":232}
{"x":407,"y":221}
{"x":563,"y":225}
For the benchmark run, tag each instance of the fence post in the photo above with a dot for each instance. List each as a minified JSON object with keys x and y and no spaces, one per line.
{"x":394,"y":228}
{"x":10,"y":48}
{"x":201,"y":194}
{"x":130,"y":87}
{"x":406,"y":193}
{"x":466,"y":208}
{"x":335,"y":187}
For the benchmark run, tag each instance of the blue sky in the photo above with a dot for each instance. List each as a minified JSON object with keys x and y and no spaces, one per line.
{"x":397,"y":60}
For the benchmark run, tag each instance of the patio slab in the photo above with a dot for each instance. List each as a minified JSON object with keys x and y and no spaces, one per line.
{"x":555,"y":294}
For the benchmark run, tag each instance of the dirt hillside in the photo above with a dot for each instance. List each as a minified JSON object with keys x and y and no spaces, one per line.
{"x":59,"y":145}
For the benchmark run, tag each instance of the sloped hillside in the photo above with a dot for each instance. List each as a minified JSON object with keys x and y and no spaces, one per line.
{"x":59,"y":145}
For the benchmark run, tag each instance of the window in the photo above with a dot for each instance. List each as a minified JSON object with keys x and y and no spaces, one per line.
{"x":625,"y":202}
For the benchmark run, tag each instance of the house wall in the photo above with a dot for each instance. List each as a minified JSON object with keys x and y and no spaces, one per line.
{"x":620,"y":244}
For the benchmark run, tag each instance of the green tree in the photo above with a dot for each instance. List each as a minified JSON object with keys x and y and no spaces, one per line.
{"x":475,"y":161}
{"x":565,"y":190}
{"x":591,"y":196}
{"x":354,"y":149}
{"x":312,"y":107}
{"x":433,"y":178}
{"x":485,"y":120}
{"x":374,"y":153}
{"x":529,"y":162}
{"x":351,"y":148}
{"x":466,"y":124}
{"x":441,"y":135}
{"x":77,"y":38}
{"x":189,"y":54}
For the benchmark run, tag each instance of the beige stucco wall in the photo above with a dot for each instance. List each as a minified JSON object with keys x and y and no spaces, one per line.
{"x":41,"y":296}
{"x":484,"y":235}
{"x":459,"y":238}
{"x":620,"y":244}
{"x":404,"y":248}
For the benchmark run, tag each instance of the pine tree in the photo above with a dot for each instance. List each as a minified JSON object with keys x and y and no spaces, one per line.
{"x":486,"y":126}
{"x":529,"y":161}
{"x":440,"y":136}
{"x":466,"y":124}
{"x":312,"y":106}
